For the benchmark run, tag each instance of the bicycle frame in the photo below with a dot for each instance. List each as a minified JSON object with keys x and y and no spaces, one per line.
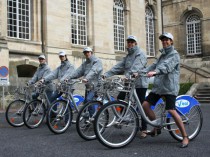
{"x":26,"y":99}
{"x":160,"y":122}
{"x":70,"y":99}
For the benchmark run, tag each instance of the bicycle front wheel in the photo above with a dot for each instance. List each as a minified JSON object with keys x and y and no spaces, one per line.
{"x":59,"y":117}
{"x":14,"y":113}
{"x":85,"y":119}
{"x":121,"y":126}
{"x":192,"y":126}
{"x":34,"y":114}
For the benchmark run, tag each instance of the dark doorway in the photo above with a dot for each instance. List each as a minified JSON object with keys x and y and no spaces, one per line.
{"x":26,"y":70}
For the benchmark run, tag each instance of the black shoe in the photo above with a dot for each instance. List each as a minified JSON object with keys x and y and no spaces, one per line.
{"x":185,"y":145}
{"x":154,"y":132}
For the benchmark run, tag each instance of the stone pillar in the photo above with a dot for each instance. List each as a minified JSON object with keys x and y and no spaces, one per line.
{"x":4,"y":52}
{"x":137,"y":22}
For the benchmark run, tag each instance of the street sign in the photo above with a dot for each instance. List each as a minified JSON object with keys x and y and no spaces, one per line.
{"x":4,"y":79}
{"x":4,"y":71}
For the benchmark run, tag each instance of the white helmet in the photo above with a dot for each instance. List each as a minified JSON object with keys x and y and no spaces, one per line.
{"x":167,"y":35}
{"x":41,"y":56}
{"x":87,"y":49}
{"x":62,"y":53}
{"x":132,"y":37}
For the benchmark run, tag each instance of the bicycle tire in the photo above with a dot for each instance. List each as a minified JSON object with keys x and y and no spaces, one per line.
{"x":56,"y":121}
{"x":192,"y":130}
{"x":16,"y":120}
{"x":85,"y":120}
{"x":34,"y":114}
{"x":119,"y":136}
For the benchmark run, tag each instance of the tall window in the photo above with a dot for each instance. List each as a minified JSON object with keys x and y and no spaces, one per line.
{"x":78,"y":22}
{"x":18,"y":21}
{"x":119,"y":29}
{"x":150,"y":31}
{"x":193,"y":29}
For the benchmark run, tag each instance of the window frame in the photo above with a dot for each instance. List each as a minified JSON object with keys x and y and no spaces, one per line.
{"x":79,"y":39}
{"x":196,"y":45}
{"x":13,"y":23}
{"x":119,"y":25}
{"x":149,"y":21}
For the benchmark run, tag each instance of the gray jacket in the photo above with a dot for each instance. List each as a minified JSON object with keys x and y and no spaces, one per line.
{"x":91,"y":69}
{"x":135,"y":61}
{"x":41,"y":72}
{"x":168,"y":68}
{"x":66,"y":68}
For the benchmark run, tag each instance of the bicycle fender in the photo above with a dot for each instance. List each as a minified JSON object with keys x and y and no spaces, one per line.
{"x":184,"y":103}
{"x":78,"y":99}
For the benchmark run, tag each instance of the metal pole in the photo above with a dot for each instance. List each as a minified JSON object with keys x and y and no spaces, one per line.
{"x":3,"y":98}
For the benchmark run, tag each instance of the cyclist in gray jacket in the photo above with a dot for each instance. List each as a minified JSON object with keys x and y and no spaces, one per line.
{"x":166,"y":84}
{"x":41,"y":71}
{"x":91,"y":71}
{"x":134,"y":61}
{"x":66,"y":68}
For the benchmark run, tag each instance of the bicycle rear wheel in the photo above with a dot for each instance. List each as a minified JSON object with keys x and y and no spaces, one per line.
{"x":14,"y":113}
{"x":59,"y":117}
{"x":85,"y":119}
{"x":121,"y":127}
{"x":192,"y":126}
{"x":34,"y":114}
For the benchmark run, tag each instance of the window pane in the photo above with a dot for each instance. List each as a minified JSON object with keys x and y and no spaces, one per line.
{"x":193,"y":29}
{"x":18,"y":26}
{"x":119,"y":28}
{"x":78,"y":22}
{"x":149,"y":24}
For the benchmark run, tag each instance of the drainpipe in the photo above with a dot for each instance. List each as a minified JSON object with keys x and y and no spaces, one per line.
{"x":42,"y":28}
{"x":161,"y":3}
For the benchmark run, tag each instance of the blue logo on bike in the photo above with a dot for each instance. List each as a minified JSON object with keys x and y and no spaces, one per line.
{"x":76,"y":100}
{"x":182,"y":103}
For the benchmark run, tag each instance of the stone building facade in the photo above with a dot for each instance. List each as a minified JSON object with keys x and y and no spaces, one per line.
{"x":29,"y":28}
{"x":188,"y":21}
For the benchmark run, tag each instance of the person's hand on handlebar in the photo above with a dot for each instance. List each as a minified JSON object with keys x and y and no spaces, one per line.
{"x":134,"y":75}
{"x":84,"y":80}
{"x":27,"y":84}
{"x":151,"y":73}
{"x":41,"y":81}
{"x":103,"y":76}
{"x":66,"y":80}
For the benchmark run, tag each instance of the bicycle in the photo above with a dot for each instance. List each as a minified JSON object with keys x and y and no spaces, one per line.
{"x":124,"y":119}
{"x":35,"y":111}
{"x":60,"y":113}
{"x":85,"y":118}
{"x":14,"y":111}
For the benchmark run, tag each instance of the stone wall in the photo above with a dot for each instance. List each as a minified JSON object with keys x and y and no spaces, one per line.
{"x":174,"y":16}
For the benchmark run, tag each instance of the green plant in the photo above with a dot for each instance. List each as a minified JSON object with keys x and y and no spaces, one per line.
{"x":184,"y":87}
